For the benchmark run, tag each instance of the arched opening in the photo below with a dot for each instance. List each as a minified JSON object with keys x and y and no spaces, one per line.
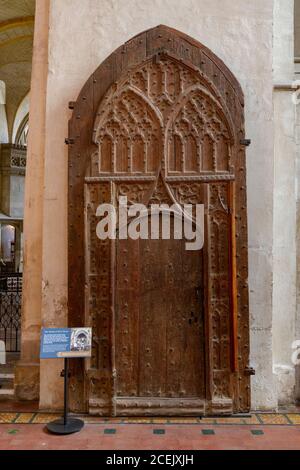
{"x":16,"y":49}
{"x":161,"y":121}
{"x":20,"y":126}
{"x":22,"y":133}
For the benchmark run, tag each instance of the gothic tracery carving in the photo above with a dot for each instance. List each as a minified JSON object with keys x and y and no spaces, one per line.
{"x":129,"y":135}
{"x":138,"y":131}
{"x":199,"y":139}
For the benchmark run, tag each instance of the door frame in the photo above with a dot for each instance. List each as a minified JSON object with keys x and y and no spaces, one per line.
{"x":81,"y":147}
{"x":160,"y":406}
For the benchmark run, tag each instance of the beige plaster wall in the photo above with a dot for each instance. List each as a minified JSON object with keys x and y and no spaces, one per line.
{"x":285,"y":210}
{"x":283,"y":56}
{"x":240,"y":33}
{"x":297,"y":76}
{"x":298,"y":245}
{"x":297,"y":28}
{"x":285,"y":269}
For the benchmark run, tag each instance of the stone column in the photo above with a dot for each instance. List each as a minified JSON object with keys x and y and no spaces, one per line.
{"x":297,"y":387}
{"x":285,"y":210}
{"x":27,"y":371}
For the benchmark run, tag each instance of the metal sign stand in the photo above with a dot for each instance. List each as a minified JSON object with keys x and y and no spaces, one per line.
{"x":66,"y":425}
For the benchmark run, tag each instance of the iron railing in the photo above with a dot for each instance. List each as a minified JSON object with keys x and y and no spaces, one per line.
{"x":10,"y":311}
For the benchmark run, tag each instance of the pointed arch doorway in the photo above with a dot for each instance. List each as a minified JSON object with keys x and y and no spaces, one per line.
{"x":160,"y":121}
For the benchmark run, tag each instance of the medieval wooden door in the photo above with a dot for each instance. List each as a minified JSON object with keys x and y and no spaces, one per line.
{"x":160,"y":122}
{"x":159,"y":328}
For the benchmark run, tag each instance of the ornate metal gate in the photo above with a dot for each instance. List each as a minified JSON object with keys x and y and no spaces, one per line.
{"x":10,"y":311}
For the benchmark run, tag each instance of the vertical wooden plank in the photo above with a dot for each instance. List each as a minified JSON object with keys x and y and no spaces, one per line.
{"x":243,"y":401}
{"x":177,"y":319}
{"x":127,"y":318}
{"x":233,"y":273}
{"x":207,"y":297}
{"x":152,"y":305}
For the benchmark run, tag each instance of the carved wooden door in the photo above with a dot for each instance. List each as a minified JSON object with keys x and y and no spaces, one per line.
{"x":170,"y":326}
{"x":159,"y":328}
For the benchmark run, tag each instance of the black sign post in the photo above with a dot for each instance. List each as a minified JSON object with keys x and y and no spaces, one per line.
{"x":66,"y":425}
{"x":57,"y":343}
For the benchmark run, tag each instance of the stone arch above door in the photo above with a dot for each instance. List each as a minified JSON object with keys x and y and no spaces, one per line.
{"x":176,"y":98}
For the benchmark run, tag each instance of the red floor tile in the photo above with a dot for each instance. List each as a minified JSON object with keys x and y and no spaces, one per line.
{"x":141,"y":437}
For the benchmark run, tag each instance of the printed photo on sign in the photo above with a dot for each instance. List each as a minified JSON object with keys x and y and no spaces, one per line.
{"x":81,"y":339}
{"x":80,"y":344}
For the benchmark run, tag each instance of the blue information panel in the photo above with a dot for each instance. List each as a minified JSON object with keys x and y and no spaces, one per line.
{"x":59,"y":343}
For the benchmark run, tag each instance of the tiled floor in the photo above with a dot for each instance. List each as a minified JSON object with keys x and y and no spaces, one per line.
{"x":256,"y":419}
{"x":153,"y":437}
{"x":25,"y":431}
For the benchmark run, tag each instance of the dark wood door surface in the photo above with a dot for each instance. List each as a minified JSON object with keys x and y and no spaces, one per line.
{"x":159,"y":327}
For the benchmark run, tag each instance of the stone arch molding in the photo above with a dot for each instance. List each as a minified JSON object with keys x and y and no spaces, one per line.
{"x":169,"y":117}
{"x":21,"y":118}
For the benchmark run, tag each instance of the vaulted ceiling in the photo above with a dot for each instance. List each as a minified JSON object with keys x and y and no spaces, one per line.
{"x":16,"y":42}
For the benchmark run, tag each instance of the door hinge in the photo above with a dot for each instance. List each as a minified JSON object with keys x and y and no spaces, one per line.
{"x":69,"y":141}
{"x":249,"y":371}
{"x":245,"y":142}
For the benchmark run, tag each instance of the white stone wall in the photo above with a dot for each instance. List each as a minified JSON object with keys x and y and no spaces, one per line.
{"x":298,"y":241}
{"x":285,"y":257}
{"x":297,"y":76}
{"x":284,"y":41}
{"x":285,"y":208}
{"x":81,"y":36}
{"x":297,"y":28}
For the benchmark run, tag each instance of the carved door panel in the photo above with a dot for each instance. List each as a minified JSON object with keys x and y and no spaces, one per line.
{"x":160,"y":122}
{"x":159,"y":328}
